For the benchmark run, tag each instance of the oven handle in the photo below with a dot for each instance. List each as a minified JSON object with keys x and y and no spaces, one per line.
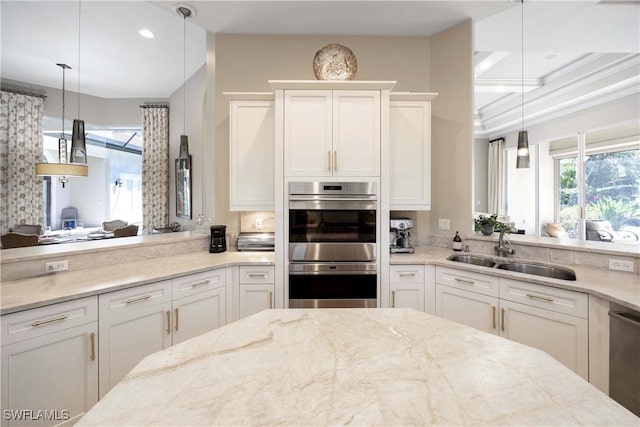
{"x":294,"y":197}
{"x":306,"y":269}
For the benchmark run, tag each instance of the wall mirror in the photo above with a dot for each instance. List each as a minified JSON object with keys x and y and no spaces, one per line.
{"x":576,"y":89}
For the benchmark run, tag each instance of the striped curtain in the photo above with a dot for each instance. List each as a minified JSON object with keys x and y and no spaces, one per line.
{"x":155,"y":168}
{"x":21,"y":146}
{"x":496,"y":182}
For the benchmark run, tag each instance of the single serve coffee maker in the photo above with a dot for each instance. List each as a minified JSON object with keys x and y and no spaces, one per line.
{"x":218,"y":239}
{"x":400,"y":236}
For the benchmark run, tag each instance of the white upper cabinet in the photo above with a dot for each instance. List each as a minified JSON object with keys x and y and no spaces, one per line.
{"x":308,"y":147}
{"x":251,"y":145}
{"x":410,"y":150}
{"x":332,"y":132}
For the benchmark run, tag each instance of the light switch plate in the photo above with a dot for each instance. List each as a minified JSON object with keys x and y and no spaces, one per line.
{"x":444,"y":224}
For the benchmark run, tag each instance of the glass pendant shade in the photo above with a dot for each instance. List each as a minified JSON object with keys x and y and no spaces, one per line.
{"x":78,"y":143}
{"x":183,"y":158}
{"x":522,"y":160}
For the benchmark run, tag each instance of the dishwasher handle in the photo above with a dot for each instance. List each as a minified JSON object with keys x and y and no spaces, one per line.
{"x":626,"y":317}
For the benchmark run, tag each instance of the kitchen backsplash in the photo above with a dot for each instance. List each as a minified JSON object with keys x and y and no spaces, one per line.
{"x":257,"y":221}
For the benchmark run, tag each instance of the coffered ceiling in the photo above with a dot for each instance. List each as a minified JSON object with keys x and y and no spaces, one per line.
{"x":577,"y":53}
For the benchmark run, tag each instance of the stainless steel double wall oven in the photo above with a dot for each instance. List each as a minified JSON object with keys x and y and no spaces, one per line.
{"x":332,"y":244}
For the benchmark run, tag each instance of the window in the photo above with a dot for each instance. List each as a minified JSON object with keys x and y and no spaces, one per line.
{"x":596,"y":198}
{"x":113,"y":189}
{"x":604,"y":187}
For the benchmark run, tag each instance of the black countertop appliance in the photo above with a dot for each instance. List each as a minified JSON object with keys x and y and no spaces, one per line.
{"x":218,"y":239}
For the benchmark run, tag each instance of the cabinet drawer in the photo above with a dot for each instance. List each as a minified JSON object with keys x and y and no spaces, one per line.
{"x":153,"y":293}
{"x":45,"y":320}
{"x":407,"y":273}
{"x":256,"y":274}
{"x":547,"y":297}
{"x":475,"y":282}
{"x":199,"y":282}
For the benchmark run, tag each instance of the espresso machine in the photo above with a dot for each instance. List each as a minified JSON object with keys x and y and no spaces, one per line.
{"x":400,"y":236}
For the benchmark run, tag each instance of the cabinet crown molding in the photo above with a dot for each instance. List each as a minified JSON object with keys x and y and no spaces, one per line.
{"x":332,"y":84}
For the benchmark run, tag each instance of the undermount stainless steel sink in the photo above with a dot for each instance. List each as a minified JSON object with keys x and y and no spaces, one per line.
{"x":553,"y":272}
{"x":472,"y":259}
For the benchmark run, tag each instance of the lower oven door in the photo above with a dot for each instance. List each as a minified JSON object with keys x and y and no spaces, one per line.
{"x":332,"y":285}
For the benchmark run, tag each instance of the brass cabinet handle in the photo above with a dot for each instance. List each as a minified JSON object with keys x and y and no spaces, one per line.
{"x":93,"y":346}
{"x":393,"y":299}
{"x":168,"y":321}
{"x":328,"y":160}
{"x":540,"y":297}
{"x":53,"y":319}
{"x":270,"y":299}
{"x":493,"y":308}
{"x":200,"y":283}
{"x":465,"y":281}
{"x":407,"y":274}
{"x":502,"y":319}
{"x":335,"y":160}
{"x":176,"y":319}
{"x":136,"y":299}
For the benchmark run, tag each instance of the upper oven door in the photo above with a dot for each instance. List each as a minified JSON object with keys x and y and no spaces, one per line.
{"x":332,"y":226}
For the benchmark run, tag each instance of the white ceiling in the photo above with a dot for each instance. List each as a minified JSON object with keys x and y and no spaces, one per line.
{"x":117,"y":63}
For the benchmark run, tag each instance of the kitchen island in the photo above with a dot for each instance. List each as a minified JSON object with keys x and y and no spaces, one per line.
{"x":352,"y":366}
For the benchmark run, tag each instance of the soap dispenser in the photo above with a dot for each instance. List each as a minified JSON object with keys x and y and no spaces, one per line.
{"x":457,"y":242}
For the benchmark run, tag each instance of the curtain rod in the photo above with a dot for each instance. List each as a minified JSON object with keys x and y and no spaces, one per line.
{"x":497,"y":139}
{"x":23,"y":92}
{"x":154,"y":106}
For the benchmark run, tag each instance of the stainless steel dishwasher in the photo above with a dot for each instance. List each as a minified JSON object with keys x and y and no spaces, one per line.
{"x":624,"y":357}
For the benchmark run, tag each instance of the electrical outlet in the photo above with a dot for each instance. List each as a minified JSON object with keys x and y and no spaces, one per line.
{"x":444,"y":224}
{"x":259,"y":223}
{"x":620,"y":265}
{"x":53,"y":267}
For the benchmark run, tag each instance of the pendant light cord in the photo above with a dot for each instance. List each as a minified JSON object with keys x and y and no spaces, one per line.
{"x":184,"y":74}
{"x":63,"y":70}
{"x":522,"y":59}
{"x":79,"y":26}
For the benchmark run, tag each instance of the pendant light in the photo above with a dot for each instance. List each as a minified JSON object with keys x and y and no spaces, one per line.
{"x":184,"y":160}
{"x":522,"y":156}
{"x":78,"y":141}
{"x":77,"y":166}
{"x":63,"y":169}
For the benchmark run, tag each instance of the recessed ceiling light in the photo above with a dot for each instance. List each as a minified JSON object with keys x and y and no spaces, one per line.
{"x":147,"y":34}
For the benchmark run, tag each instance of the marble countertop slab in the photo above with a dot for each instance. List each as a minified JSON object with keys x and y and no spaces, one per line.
{"x":16,"y":295}
{"x":356,"y":367}
{"x":619,"y":287}
{"x":22,"y":294}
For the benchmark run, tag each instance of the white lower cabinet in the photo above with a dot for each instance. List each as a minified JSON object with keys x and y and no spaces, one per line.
{"x":50,"y":363}
{"x":139,"y":321}
{"x":468,"y":308}
{"x":257,"y":289}
{"x":199,"y":304}
{"x":412,"y":286}
{"x":550,"y":319}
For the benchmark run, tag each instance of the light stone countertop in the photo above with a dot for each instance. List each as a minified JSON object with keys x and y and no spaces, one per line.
{"x":619,"y":287}
{"x":22,"y":294}
{"x":356,"y":367}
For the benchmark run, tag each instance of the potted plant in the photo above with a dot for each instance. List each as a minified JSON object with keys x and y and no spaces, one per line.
{"x":488,"y":224}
